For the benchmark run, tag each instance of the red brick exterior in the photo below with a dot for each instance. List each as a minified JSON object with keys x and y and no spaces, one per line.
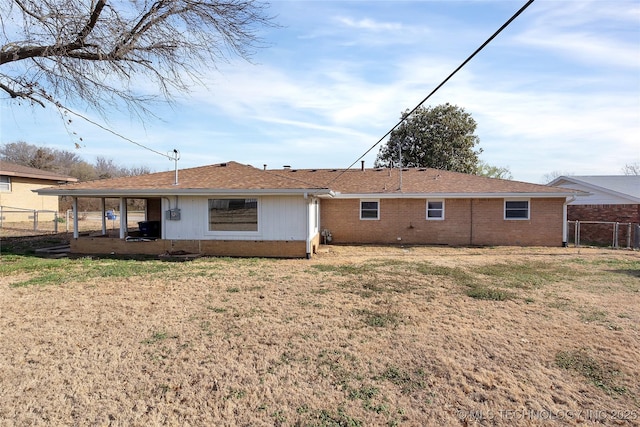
{"x":467,"y":222}
{"x":602,"y":234}
{"x":239,"y":248}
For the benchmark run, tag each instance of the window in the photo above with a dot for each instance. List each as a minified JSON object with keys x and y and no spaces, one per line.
{"x":516,"y":209}
{"x":435,"y":209}
{"x":233,"y":214}
{"x":369,"y":209}
{"x":5,"y":183}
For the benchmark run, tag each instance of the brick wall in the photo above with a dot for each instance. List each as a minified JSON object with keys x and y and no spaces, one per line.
{"x":602,"y":234}
{"x":467,"y":222}
{"x":544,"y":228}
{"x":240,"y":248}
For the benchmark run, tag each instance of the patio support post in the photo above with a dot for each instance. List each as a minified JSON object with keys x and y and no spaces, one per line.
{"x":104,"y":217}
{"x":123,"y":217}
{"x":75,"y":218}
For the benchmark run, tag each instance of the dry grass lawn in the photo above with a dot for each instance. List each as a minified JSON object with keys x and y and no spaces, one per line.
{"x":357,"y":336}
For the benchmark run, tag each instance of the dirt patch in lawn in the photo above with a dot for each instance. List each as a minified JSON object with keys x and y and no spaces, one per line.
{"x":355,"y":336}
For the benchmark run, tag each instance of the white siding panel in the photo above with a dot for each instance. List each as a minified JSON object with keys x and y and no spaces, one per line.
{"x":283,"y":218}
{"x":596,"y":198}
{"x":280,"y":218}
{"x":192,"y":223}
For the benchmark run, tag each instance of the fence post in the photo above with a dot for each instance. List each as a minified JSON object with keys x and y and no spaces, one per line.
{"x":67,"y":220}
{"x":629,"y":236}
{"x":35,"y":220}
{"x":1,"y":216}
{"x":55,"y":222}
{"x":576,"y":240}
{"x":615,"y":235}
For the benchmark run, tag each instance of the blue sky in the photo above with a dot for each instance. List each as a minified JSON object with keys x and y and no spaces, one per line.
{"x":557,"y":91}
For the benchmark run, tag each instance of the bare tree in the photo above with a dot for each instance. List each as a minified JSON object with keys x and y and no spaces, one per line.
{"x":631,"y":168}
{"x":548,"y":177}
{"x":65,"y":51}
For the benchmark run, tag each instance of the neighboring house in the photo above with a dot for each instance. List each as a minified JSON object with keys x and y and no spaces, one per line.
{"x":238,"y":210}
{"x":611,"y":199}
{"x":17,"y":185}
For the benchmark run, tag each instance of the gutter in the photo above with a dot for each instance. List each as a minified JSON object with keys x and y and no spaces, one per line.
{"x":449,"y":195}
{"x":181,"y":192}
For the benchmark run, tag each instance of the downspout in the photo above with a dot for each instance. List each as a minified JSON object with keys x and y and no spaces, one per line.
{"x":565,"y":220}
{"x":470,"y":222}
{"x":308,"y":237}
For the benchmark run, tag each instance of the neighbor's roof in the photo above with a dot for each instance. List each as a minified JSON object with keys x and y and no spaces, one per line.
{"x":222,"y":178}
{"x":12,"y":169}
{"x":626,"y":186}
{"x":236,"y":178}
{"x":419,"y":182}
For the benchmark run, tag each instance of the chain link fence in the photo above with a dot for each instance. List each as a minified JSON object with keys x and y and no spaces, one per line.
{"x":28,"y":222}
{"x":604,"y":233}
{"x":20,"y":221}
{"x":92,"y":220}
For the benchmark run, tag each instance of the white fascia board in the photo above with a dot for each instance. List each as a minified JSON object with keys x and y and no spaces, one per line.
{"x":180,"y":192}
{"x":453,"y":195}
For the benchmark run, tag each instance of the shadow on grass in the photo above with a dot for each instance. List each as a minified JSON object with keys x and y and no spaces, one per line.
{"x":627,"y":272}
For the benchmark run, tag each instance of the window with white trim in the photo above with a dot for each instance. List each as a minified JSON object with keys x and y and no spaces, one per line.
{"x":369,"y":209}
{"x":5,"y":183}
{"x":516,"y":209}
{"x":435,"y":209}
{"x":233,"y":214}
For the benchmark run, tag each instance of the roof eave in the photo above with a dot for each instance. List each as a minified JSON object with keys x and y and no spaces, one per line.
{"x":180,"y":192}
{"x":591,"y":186}
{"x":453,"y":195}
{"x":56,"y":178}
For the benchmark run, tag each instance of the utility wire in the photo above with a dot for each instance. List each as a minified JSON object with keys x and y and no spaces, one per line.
{"x":505,"y":25}
{"x":70,"y":111}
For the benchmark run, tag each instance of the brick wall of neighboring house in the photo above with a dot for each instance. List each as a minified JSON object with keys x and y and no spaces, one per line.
{"x":603,"y":234}
{"x":466,"y":222}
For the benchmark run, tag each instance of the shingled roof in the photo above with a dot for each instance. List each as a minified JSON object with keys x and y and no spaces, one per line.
{"x":385,"y":182}
{"x":237,"y":178}
{"x":12,"y":169}
{"x":230,"y":177}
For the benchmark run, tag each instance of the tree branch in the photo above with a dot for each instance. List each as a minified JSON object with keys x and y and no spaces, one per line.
{"x":13,"y":94}
{"x":92,"y":22}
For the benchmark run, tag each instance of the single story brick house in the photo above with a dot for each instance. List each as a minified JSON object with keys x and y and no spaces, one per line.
{"x":17,"y":185}
{"x":611,"y":199}
{"x":238,"y":210}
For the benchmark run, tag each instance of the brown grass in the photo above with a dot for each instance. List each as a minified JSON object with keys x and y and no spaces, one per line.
{"x":355,"y":336}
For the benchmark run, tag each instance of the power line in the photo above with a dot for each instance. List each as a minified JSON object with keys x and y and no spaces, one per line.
{"x":62,"y":108}
{"x":505,"y":25}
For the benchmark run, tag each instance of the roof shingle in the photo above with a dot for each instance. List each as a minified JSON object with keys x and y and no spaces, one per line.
{"x":12,"y":169}
{"x":233,"y":176}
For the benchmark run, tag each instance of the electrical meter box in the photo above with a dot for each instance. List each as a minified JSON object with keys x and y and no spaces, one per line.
{"x":173,"y":214}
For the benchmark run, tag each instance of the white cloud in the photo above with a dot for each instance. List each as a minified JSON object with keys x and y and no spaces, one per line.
{"x":369,"y":24}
